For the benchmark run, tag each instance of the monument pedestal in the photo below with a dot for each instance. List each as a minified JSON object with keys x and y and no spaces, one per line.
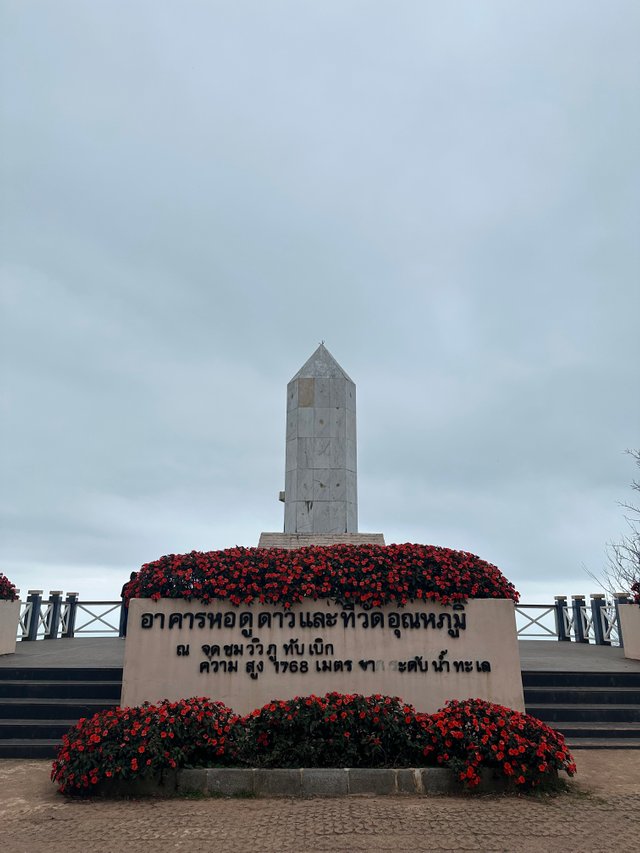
{"x":245,"y":656}
{"x":305,"y":540}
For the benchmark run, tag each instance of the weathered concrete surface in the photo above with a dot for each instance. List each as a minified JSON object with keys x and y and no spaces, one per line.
{"x":289,"y":541}
{"x":479,"y":660}
{"x":601,"y":813}
{"x":310,"y":782}
{"x":9,"y":615}
{"x":78,"y":652}
{"x":551,"y":655}
{"x":630,"y":625}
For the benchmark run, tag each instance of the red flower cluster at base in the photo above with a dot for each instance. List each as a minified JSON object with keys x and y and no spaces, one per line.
{"x":365,"y":575}
{"x":336,"y":730}
{"x":129,"y":743}
{"x":476,"y":734}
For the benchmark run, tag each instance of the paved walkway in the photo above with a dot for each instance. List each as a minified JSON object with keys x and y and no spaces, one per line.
{"x":601,"y":813}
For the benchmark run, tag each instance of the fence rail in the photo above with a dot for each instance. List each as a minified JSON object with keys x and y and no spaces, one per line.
{"x":576,"y":621}
{"x":58,"y":617}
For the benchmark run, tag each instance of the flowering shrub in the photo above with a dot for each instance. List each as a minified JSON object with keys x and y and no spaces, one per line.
{"x":635,"y":589}
{"x":130,"y":743}
{"x":366,"y":575}
{"x":335,"y":730}
{"x":8,"y":591}
{"x":473,"y":734}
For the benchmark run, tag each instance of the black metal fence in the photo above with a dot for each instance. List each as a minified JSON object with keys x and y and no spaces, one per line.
{"x":61,"y":617}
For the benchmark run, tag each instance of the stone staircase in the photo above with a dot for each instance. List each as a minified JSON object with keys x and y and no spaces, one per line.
{"x":594,"y":710}
{"x":38,"y":705}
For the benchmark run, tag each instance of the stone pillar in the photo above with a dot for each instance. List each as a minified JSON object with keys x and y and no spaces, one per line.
{"x":320,"y":493}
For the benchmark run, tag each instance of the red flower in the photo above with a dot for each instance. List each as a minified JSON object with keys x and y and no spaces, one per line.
{"x":345,"y":573}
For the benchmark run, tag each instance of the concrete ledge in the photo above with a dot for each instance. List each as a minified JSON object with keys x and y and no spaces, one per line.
{"x":325,"y":782}
{"x":290,"y":541}
{"x":328,"y":782}
{"x":276,"y":783}
{"x":303,"y":782}
{"x":366,"y":781}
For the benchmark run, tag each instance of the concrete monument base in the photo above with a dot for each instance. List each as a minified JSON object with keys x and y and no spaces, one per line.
{"x":630,"y":625}
{"x":245,"y":656}
{"x":9,"y":618}
{"x":289,"y":541}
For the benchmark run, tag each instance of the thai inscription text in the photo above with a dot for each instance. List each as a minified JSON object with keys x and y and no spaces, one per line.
{"x":285,"y":642}
{"x":396,"y":621}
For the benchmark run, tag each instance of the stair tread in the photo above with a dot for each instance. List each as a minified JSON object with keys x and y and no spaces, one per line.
{"x":603,"y":743}
{"x":600,"y":706}
{"x":603,"y":726}
{"x":43,"y":700}
{"x":551,"y":688}
{"x":89,"y":682}
{"x":19,"y":741}
{"x":16,"y":721}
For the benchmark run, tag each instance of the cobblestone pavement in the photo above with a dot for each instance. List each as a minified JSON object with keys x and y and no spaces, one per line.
{"x":601,"y":813}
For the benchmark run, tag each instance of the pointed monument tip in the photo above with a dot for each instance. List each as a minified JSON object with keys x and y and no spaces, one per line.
{"x":321,"y":365}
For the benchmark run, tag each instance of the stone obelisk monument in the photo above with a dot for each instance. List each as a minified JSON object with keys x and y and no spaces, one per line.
{"x":321,"y":491}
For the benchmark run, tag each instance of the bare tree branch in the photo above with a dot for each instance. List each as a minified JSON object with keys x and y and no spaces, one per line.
{"x":622,"y":568}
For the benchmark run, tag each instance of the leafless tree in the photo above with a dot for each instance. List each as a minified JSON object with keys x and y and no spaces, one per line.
{"x":622,"y":568}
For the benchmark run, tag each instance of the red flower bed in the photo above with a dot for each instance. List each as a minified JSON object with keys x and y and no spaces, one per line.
{"x":473,"y":734}
{"x":8,"y":591}
{"x":335,"y":730}
{"x":366,"y":575}
{"x":131,"y":743}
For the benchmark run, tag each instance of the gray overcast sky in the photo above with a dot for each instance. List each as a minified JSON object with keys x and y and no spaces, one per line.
{"x":196,"y":193}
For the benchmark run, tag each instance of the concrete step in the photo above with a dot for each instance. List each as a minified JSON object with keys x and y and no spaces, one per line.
{"x":41,"y":689}
{"x":51,"y":709}
{"x":27,"y":729}
{"x":58,"y":673}
{"x":28,"y":748}
{"x":603,"y":743}
{"x":553,"y":678}
{"x":586,"y":713}
{"x":599,"y":731}
{"x":582,"y":695}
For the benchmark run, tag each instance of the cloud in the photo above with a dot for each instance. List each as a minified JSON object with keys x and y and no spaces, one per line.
{"x":196,"y":197}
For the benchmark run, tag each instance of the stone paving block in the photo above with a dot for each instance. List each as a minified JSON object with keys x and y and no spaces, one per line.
{"x":439,"y":780}
{"x":277,"y":783}
{"x":192,"y":780}
{"x":230,"y":781}
{"x":373,"y":781}
{"x":325,"y":782}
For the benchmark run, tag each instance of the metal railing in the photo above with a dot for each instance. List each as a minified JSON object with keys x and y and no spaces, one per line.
{"x":577,"y":621}
{"x":55,"y":618}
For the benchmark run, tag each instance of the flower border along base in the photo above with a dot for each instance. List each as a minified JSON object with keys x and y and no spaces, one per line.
{"x":305,"y":782}
{"x":9,"y":619}
{"x":630,"y":626}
